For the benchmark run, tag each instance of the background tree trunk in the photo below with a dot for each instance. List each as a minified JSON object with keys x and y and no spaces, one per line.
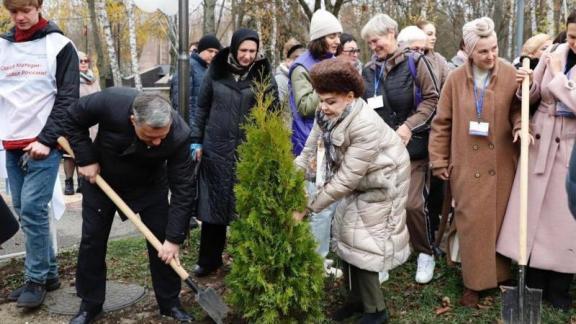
{"x":103,"y":18}
{"x":209,"y":26}
{"x":103,"y":68}
{"x":133,"y":49}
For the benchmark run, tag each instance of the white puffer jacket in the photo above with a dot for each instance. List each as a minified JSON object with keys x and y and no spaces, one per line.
{"x":371,"y":182}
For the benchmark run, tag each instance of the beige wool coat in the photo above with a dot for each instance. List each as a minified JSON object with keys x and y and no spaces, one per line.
{"x":551,"y":227}
{"x":370,"y":184}
{"x":481,"y":168}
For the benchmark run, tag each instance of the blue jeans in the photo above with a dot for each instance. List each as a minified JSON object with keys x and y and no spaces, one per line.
{"x":32,"y":186}
{"x":321,"y":223}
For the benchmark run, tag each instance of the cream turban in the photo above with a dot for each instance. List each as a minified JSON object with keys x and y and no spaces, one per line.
{"x":476,"y":29}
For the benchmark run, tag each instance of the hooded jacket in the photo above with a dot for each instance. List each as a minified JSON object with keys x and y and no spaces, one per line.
{"x":370,"y":185}
{"x":224,"y":103}
{"x":66,"y":77}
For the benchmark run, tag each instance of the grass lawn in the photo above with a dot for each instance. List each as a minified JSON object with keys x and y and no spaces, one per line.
{"x":407,"y":301}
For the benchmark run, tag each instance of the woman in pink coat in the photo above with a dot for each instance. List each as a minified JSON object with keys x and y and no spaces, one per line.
{"x":551,"y":228}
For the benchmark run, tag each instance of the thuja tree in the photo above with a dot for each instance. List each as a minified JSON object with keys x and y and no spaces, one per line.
{"x":276,"y":275}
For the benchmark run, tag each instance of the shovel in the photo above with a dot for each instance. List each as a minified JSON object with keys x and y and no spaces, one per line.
{"x":207,"y":298}
{"x":522,"y":304}
{"x":446,"y":208}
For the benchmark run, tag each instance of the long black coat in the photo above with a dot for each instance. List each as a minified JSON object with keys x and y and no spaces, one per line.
{"x":138,"y":173}
{"x":223,"y":106}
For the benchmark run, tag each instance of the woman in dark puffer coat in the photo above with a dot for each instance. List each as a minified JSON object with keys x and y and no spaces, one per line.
{"x":226,"y":99}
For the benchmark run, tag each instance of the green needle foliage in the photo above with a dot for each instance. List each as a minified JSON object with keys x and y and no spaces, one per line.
{"x":276,"y":275}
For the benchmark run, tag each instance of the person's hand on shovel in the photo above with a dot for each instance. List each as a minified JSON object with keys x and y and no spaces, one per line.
{"x":517,"y":136}
{"x":89,"y":172}
{"x":169,"y":251}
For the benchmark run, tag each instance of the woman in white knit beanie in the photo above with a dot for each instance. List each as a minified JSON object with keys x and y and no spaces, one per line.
{"x":472,"y":146}
{"x":325,"y":30}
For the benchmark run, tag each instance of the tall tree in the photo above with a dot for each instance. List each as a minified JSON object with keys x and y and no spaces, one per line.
{"x":105,"y":22}
{"x":103,"y":68}
{"x":209,"y":26}
{"x":133,"y":49}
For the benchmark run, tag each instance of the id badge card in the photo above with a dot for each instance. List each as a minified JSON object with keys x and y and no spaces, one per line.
{"x":376,"y":102}
{"x":478,"y":128}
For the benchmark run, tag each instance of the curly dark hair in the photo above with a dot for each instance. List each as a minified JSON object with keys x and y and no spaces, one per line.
{"x":337,"y":76}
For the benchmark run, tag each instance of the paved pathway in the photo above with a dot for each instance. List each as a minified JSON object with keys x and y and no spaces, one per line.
{"x":69,"y":227}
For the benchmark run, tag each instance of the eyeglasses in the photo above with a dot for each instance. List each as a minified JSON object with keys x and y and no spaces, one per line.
{"x":85,"y":61}
{"x":352,"y":51}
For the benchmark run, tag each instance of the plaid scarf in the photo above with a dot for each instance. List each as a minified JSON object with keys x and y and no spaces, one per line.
{"x":327,"y":125}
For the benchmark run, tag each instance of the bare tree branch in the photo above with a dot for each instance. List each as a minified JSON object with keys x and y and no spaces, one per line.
{"x":306,"y":8}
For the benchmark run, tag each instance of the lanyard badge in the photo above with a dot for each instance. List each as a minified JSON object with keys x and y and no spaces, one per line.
{"x":377,"y":101}
{"x":479,"y":128}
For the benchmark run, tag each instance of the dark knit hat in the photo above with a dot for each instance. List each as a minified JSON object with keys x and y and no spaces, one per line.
{"x":208,"y":41}
{"x":241,"y":35}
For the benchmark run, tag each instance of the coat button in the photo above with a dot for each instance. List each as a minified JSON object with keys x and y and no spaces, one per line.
{"x":557,"y":139}
{"x":491,"y":146}
{"x":492,"y":172}
{"x":475,"y":147}
{"x":537,"y":136}
{"x":477,"y":175}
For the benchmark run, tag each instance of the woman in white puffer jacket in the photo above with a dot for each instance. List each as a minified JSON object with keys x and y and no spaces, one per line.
{"x":367,"y":171}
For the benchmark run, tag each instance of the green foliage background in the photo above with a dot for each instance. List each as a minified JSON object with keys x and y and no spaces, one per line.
{"x":276,"y":275}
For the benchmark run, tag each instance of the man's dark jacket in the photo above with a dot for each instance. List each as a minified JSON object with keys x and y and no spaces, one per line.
{"x":137,"y":172}
{"x":67,"y":83}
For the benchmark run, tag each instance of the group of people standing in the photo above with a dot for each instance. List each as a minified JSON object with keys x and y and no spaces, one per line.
{"x":376,"y":142}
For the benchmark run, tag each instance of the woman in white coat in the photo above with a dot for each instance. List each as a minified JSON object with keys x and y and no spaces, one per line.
{"x":367,"y":172}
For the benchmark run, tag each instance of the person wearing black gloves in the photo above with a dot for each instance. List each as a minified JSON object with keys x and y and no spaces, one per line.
{"x":142,"y":151}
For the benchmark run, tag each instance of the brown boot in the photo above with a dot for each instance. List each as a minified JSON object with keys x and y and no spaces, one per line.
{"x":470,"y":298}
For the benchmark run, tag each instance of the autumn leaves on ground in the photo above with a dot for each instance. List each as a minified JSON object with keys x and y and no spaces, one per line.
{"x":407,"y":301}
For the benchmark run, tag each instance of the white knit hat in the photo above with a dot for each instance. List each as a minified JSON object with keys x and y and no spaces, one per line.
{"x":323,"y":23}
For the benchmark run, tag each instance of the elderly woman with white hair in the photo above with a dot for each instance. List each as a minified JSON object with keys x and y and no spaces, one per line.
{"x":405,"y":96}
{"x":413,"y":38}
{"x":472,"y":146}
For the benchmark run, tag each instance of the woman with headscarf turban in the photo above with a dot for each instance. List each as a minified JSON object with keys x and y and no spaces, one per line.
{"x":471,"y":145}
{"x":225,"y":101}
{"x":551,"y":228}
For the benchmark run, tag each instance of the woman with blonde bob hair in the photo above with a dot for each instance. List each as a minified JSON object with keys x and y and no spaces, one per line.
{"x":367,"y":173}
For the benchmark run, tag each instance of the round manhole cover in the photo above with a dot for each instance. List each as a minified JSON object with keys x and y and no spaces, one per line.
{"x":118,"y":295}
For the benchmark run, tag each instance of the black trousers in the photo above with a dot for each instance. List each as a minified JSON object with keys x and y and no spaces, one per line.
{"x":212,"y":242}
{"x":97,"y":216}
{"x":555,"y":286}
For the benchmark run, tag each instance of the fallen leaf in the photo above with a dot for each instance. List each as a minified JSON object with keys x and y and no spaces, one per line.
{"x":442,"y":310}
{"x":446,"y":301}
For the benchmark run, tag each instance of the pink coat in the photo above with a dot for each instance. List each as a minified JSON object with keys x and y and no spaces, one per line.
{"x":551,"y":227}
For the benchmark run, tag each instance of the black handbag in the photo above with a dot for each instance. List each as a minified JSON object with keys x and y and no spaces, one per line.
{"x":8,"y":223}
{"x":418,"y":145}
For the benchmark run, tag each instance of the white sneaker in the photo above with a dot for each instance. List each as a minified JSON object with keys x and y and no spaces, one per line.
{"x":425,"y":270}
{"x":383,"y":276}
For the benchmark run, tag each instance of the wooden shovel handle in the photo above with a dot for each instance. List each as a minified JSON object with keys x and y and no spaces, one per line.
{"x":124,"y":208}
{"x":524,"y":146}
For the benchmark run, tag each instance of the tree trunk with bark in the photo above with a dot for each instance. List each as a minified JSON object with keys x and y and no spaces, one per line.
{"x":129,"y":4}
{"x":209,"y":17}
{"x":103,"y":68}
{"x":105,"y":22}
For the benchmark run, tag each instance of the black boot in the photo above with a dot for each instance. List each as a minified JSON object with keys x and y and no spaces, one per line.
{"x":32,"y":295}
{"x":347,"y":310}
{"x":374,"y":318}
{"x":69,"y":187}
{"x":87,"y":314}
{"x":80,"y":182}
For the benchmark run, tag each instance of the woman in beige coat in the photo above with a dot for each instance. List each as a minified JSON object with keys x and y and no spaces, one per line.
{"x":551,"y":228}
{"x":88,"y":85}
{"x":368,"y":174}
{"x":471,"y":144}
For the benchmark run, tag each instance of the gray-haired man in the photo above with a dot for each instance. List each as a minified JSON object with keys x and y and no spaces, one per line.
{"x":142,"y":151}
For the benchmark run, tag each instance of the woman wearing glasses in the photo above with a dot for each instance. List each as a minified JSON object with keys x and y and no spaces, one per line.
{"x":88,"y":85}
{"x":350,"y":51}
